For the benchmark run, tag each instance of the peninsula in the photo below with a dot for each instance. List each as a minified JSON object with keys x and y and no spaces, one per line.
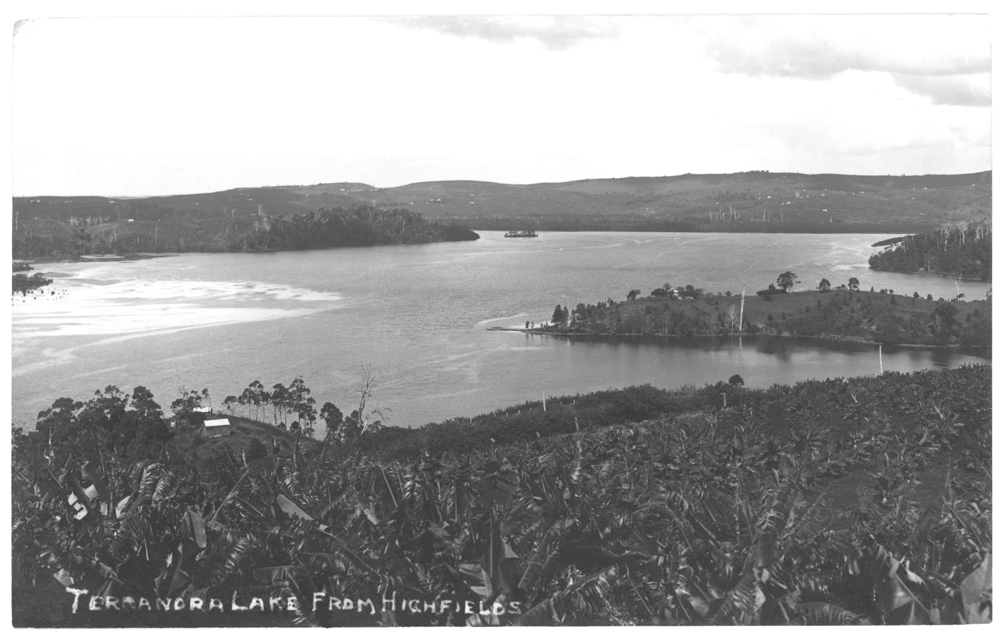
{"x":960,"y":250}
{"x":842,"y":313}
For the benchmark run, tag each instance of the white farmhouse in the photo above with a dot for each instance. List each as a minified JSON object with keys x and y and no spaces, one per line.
{"x":217,"y":428}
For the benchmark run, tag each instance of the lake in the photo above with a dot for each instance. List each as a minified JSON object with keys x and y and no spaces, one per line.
{"x":417,"y":316}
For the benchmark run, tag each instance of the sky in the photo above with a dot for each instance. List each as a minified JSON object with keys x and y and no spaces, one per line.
{"x":158,"y":105}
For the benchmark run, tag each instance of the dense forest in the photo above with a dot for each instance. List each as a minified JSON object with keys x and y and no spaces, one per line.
{"x":143,"y":228}
{"x":961,"y":250}
{"x":361,"y":226}
{"x":844,"y":312}
{"x":857,"y":501}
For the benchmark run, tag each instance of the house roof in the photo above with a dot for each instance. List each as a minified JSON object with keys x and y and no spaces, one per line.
{"x":204,"y":409}
{"x":214,"y":423}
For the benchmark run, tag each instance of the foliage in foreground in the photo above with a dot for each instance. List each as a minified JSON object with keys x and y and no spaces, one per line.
{"x":775,"y":511}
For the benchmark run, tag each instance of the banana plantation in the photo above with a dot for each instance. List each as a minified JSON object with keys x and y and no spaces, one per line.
{"x":857,"y":501}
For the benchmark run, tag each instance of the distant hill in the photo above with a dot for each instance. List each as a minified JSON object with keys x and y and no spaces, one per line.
{"x":749,"y":201}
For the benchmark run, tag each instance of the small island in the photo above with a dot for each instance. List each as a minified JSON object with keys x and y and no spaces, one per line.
{"x":521,"y":233}
{"x":842,"y":313}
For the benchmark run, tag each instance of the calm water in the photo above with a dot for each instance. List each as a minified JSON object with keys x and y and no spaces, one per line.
{"x":418,"y":317}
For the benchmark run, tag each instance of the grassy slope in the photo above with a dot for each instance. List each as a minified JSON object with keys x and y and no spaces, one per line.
{"x":189,"y":442}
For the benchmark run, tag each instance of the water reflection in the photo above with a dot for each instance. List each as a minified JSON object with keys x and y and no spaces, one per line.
{"x":761,"y":360}
{"x":781,"y":347}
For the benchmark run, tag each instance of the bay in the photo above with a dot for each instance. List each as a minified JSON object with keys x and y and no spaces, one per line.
{"x":417,"y":316}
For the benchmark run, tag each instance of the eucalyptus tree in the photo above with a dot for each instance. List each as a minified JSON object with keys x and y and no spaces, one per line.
{"x":787,"y":280}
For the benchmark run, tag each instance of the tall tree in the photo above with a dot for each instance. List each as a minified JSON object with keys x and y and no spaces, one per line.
{"x":279,"y":401}
{"x":558,"y":315}
{"x":731,"y":317}
{"x":787,"y":280}
{"x":333,"y":417}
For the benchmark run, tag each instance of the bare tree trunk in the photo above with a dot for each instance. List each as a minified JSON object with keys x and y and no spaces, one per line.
{"x":743,"y":297}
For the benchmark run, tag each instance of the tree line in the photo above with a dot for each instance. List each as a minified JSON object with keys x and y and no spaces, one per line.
{"x":339,"y":227}
{"x":962,"y":250}
{"x":295,"y":400}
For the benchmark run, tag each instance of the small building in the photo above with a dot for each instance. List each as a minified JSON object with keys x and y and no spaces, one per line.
{"x":205,"y":410}
{"x":217,"y":428}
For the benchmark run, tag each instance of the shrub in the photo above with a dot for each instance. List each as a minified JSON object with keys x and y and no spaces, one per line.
{"x":256,"y":449}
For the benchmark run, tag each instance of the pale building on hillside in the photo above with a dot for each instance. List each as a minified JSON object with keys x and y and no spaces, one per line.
{"x":217,"y":428}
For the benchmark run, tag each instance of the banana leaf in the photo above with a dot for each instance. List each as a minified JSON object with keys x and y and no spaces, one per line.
{"x":532,"y":573}
{"x":292,"y":509}
{"x":542,"y":614}
{"x":824,"y":613}
{"x":197,"y":526}
{"x":102,"y":489}
{"x":977,"y":593}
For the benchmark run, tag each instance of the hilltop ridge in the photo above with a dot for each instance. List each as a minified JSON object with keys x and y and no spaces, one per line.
{"x":755,"y":201}
{"x":899,"y":203}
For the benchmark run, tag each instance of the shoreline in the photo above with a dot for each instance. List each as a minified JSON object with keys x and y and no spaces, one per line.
{"x":931,"y":274}
{"x":822,"y":338}
{"x":105,"y":258}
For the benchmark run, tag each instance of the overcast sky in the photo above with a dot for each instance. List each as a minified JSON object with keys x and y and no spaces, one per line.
{"x":171,"y":105}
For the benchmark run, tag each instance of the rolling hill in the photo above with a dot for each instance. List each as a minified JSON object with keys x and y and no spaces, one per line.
{"x":749,"y":202}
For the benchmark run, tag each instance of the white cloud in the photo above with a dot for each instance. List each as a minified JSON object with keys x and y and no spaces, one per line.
{"x":953,"y":90}
{"x":819,"y":47}
{"x":181,"y":105}
{"x":946,"y":58}
{"x":557,"y":33}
